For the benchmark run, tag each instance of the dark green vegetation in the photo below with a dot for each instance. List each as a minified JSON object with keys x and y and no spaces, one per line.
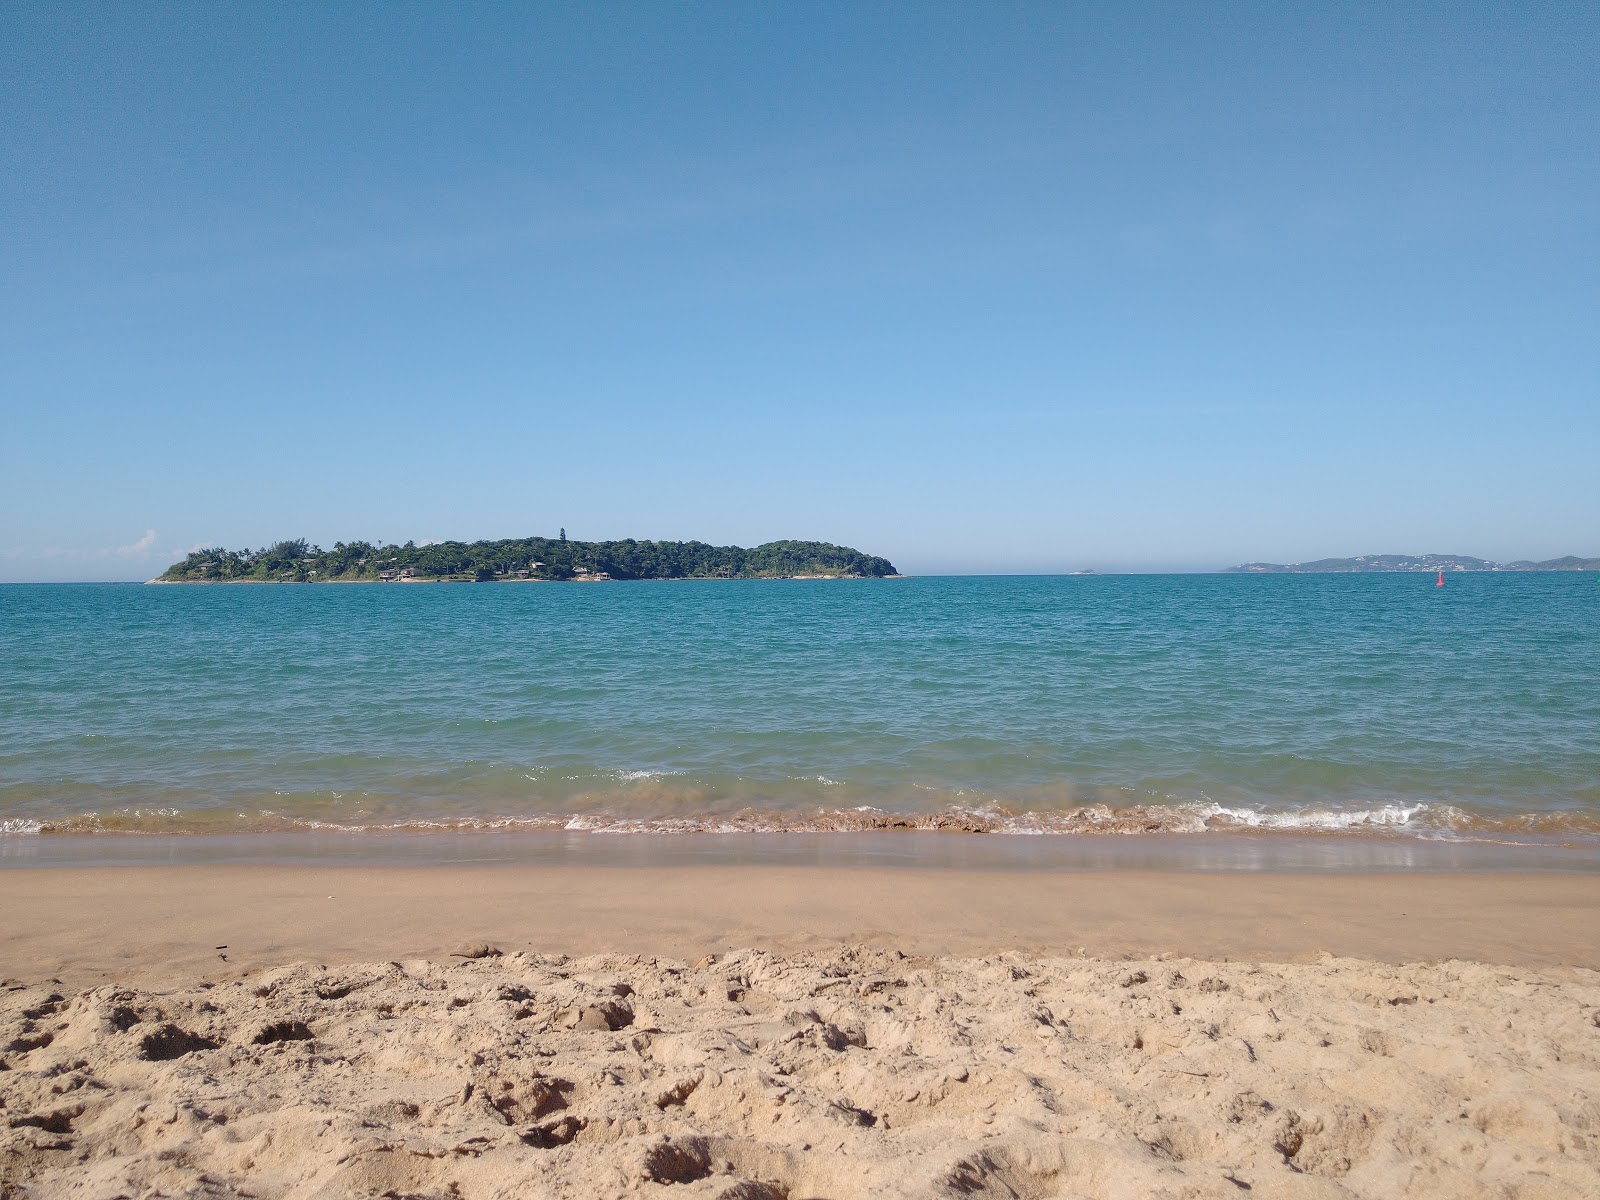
{"x":522,"y":558}
{"x":1416,"y":562}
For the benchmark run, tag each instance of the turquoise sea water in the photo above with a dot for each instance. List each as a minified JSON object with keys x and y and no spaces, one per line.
{"x":1360,"y":705}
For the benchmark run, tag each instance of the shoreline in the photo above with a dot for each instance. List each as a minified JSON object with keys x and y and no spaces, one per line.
{"x":1228,"y":851}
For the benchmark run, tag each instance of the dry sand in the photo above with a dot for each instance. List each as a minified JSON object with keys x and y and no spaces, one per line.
{"x":936,"y":1061}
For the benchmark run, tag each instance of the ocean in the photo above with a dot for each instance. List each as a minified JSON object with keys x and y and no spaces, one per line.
{"x":1341,"y":706}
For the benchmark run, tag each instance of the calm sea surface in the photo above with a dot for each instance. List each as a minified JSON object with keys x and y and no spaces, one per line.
{"x":1364,"y":706}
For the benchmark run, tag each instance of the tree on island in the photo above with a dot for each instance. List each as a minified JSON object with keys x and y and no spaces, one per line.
{"x":297,"y":561}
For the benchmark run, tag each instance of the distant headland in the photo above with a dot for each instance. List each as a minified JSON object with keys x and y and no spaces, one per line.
{"x":1414,"y":562}
{"x":518,"y":559}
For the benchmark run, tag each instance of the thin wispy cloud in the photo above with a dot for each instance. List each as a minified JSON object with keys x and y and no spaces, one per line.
{"x":143,"y":547}
{"x":138,"y":549}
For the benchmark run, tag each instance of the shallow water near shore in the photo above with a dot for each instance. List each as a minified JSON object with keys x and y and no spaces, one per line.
{"x":868,"y":851}
{"x":1361,"y":708}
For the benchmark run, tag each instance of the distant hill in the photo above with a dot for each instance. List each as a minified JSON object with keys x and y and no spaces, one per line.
{"x":1412,"y":562}
{"x":1566,"y":563}
{"x":533,"y":558}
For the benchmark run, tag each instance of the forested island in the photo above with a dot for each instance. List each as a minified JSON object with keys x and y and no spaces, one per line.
{"x":533,"y":558}
{"x":1414,"y":562}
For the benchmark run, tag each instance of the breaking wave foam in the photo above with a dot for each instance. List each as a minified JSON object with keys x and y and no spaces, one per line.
{"x":1439,"y":821}
{"x":1385,"y":816}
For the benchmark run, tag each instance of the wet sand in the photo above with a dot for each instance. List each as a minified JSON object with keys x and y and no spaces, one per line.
{"x":86,"y":925}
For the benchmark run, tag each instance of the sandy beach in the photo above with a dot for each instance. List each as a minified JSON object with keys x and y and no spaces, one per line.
{"x":1210,"y":806}
{"x":747,"y":1032}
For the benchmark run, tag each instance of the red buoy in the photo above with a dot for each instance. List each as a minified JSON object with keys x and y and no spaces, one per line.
{"x":1441,"y":580}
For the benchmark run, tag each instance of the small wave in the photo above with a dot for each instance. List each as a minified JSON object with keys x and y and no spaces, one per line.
{"x":634,"y":776}
{"x":1433,"y":821}
{"x":428,"y":825}
{"x":599,"y":823}
{"x":1385,"y":816}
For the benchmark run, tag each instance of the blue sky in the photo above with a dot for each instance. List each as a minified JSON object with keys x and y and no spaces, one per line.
{"x":978,"y":287}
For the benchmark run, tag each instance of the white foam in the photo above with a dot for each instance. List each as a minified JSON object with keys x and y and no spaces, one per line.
{"x":599,"y":823}
{"x":1413,"y":820}
{"x":1386,"y":816}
